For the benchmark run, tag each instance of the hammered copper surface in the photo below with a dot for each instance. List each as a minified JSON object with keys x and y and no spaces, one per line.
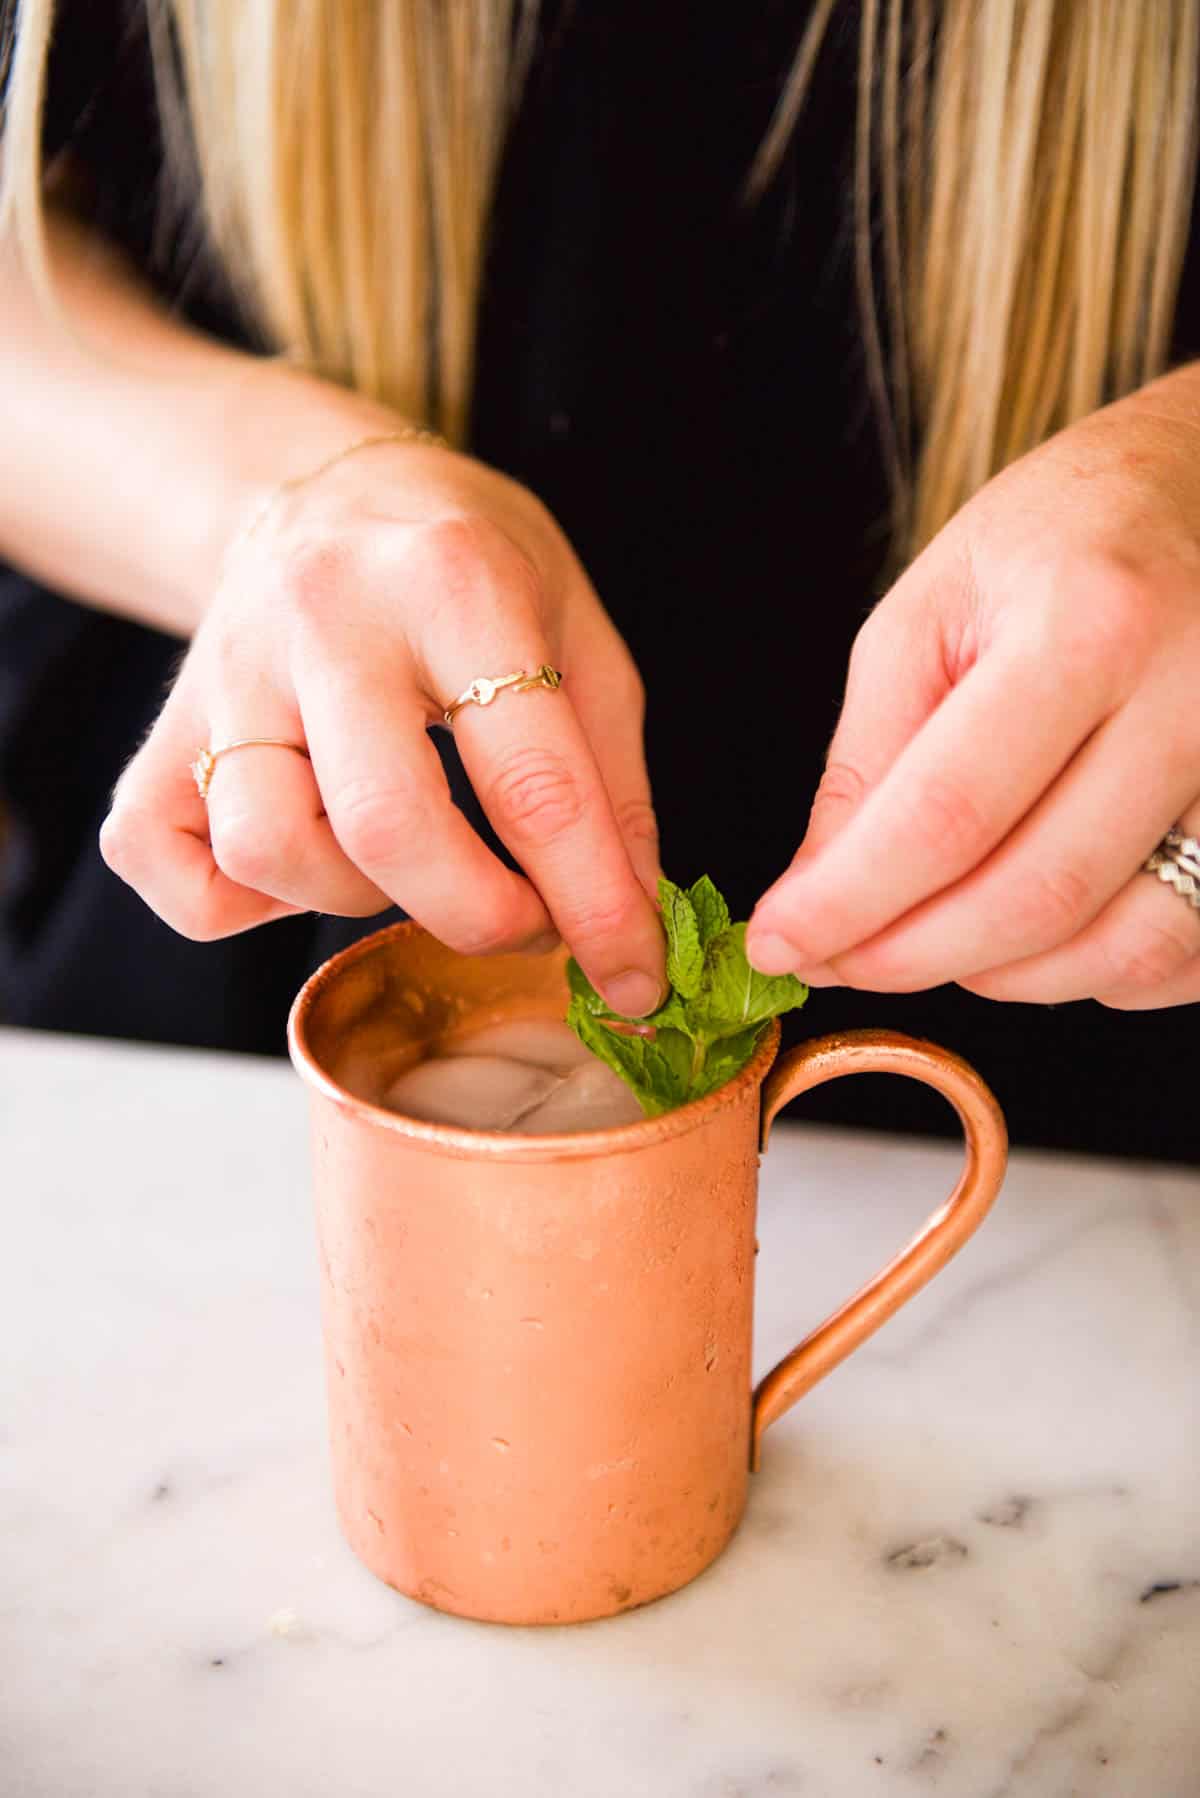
{"x":538,"y":1348}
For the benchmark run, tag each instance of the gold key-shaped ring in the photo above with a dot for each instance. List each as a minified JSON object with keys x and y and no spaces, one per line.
{"x":484,"y":688}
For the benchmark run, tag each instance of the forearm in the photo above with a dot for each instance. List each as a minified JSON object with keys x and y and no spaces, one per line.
{"x":131,"y":446}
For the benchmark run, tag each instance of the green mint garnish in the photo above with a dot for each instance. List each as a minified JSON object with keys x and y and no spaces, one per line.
{"x":710,"y":1022}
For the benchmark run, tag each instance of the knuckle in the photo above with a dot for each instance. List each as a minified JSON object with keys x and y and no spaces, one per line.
{"x":1148,"y":957}
{"x":470,"y":574}
{"x":867,"y":641}
{"x":888,"y":625}
{"x":1118,"y":598}
{"x":466,"y":552}
{"x":253,"y":852}
{"x":195,"y":912}
{"x":632,"y":693}
{"x":379,"y":824}
{"x":483,"y":938}
{"x":637,"y":821}
{"x":945,"y":819}
{"x":536,"y":795}
{"x":602,"y":919}
{"x":989,"y":985}
{"x":120,"y":842}
{"x":195,"y":918}
{"x":1107,"y":615}
{"x":1055,"y":902}
{"x":840,"y":785}
{"x":314,"y":573}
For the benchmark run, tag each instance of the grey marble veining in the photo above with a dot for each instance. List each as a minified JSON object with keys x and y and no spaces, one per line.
{"x":971,"y":1563}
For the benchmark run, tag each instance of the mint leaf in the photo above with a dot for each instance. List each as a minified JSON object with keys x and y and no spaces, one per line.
{"x":672,"y":1014}
{"x":710,"y":1022}
{"x":657,"y":1068}
{"x":723,"y":1059}
{"x":685,"y":957}
{"x":712,"y":913}
{"x":582,"y":989}
{"x":733,"y":994}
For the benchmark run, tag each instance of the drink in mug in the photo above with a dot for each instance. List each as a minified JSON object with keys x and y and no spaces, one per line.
{"x":531,"y":1075}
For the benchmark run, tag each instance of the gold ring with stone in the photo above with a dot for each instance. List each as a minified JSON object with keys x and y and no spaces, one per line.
{"x":203,"y":767}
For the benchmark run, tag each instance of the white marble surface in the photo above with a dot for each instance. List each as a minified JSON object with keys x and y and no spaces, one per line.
{"x":971,"y":1564}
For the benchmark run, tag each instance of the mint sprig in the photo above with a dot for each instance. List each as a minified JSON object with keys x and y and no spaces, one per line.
{"x":710,"y":1022}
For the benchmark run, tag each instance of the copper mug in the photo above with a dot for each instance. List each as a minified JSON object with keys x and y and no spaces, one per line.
{"x":538,"y":1347}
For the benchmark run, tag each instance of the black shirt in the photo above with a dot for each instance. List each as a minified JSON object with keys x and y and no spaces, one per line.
{"x":679,"y":376}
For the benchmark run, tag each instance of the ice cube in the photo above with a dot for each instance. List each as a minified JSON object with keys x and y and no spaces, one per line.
{"x":477,"y":1092}
{"x":545,"y":1042}
{"x":590,"y":1098}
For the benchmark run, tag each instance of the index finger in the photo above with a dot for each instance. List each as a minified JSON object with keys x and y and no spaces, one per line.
{"x":390,"y":809}
{"x":967,"y":777}
{"x":529,"y":760}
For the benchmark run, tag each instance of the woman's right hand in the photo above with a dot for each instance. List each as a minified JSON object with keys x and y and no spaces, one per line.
{"x":360,"y":606}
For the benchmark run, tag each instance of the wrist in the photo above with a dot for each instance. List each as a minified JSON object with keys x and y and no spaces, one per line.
{"x":279,"y":429}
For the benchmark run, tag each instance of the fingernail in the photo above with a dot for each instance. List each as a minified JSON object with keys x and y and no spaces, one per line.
{"x":543,"y":944}
{"x":649,"y":874}
{"x":632,"y":993}
{"x":771,"y":954}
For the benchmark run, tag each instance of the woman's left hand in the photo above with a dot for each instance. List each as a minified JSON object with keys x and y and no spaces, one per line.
{"x":1021,"y":728}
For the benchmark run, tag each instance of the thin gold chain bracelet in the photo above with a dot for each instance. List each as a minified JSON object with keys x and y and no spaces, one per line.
{"x":408,"y":434}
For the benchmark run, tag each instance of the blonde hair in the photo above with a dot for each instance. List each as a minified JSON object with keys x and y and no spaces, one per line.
{"x":1024,"y":179}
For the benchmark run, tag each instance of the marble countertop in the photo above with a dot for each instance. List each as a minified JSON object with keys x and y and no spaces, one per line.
{"x":970,"y":1566}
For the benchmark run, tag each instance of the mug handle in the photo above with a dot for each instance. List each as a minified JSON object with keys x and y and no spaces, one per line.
{"x":940,"y":1237}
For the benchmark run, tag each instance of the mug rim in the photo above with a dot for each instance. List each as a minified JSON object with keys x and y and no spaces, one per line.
{"x":503,"y":1145}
